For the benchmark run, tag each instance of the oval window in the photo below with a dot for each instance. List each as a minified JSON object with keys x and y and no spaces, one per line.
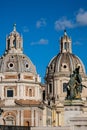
{"x":10,"y":65}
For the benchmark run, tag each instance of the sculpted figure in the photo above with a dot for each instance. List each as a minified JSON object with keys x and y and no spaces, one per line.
{"x":74,"y":86}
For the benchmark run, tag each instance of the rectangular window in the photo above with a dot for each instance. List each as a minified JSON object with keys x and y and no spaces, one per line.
{"x":64,"y":87}
{"x":50,"y":88}
{"x":43,"y":94}
{"x":9,"y":93}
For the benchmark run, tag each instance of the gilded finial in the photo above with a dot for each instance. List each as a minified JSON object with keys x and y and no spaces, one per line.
{"x":14,"y":27}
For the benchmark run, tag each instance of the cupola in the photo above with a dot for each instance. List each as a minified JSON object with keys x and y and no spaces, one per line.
{"x":65,"y":61}
{"x":65,"y":43}
{"x":14,"y":42}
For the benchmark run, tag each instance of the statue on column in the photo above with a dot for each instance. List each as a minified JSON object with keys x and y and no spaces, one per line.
{"x":74,"y":86}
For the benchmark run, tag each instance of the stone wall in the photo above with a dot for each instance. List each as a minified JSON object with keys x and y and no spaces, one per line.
{"x":76,"y":127}
{"x":80,"y":127}
{"x":51,"y":128}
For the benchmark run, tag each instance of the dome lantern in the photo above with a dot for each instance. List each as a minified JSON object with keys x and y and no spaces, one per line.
{"x":65,"y":43}
{"x":14,"y":42}
{"x":14,"y":60}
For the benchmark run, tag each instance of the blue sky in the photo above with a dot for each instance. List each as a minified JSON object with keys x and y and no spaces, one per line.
{"x":42,"y":22}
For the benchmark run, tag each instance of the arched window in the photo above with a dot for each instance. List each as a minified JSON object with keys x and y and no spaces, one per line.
{"x":44,"y":95}
{"x":14,"y":43}
{"x":64,"y":87}
{"x":30,"y":92}
{"x":50,"y":88}
{"x":8,"y":44}
{"x":65,"y":46}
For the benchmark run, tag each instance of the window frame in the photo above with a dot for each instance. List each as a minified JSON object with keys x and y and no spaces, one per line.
{"x":7,"y":93}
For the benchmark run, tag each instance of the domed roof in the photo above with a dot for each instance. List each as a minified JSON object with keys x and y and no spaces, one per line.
{"x":65,"y":62}
{"x":14,"y":60}
{"x":16,"y":63}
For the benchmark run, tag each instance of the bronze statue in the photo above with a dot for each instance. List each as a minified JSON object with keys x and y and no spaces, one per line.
{"x":74,"y":86}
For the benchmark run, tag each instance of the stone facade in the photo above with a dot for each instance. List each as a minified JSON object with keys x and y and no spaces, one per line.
{"x":20,"y":86}
{"x":59,"y":69}
{"x":57,"y":76}
{"x":26,"y":102}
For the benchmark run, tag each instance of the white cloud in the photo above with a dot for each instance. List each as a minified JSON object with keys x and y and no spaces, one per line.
{"x":42,"y":41}
{"x":41,"y":23}
{"x":63,"y":23}
{"x":80,"y":20}
{"x":81,"y":17}
{"x":77,"y":43}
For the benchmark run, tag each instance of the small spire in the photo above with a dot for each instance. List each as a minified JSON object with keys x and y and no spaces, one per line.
{"x":65,"y":32}
{"x":14,"y":27}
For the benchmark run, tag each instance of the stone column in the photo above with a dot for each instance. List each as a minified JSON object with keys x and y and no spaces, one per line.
{"x":32,"y":117}
{"x":18,"y":118}
{"x":22,"y":118}
{"x":36,"y":118}
{"x":18,"y":91}
{"x":2,"y":92}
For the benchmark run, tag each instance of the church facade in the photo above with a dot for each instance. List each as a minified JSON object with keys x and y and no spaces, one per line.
{"x":24,"y":101}
{"x":20,"y":86}
{"x":57,"y":77}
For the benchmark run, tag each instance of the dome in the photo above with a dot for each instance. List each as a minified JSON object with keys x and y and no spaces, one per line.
{"x":65,"y":62}
{"x":59,"y":70}
{"x":16,"y":63}
{"x":14,"y":60}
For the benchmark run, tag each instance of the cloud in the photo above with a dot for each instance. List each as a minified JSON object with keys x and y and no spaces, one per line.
{"x":41,"y":23}
{"x":81,"y":17}
{"x":25,"y":29}
{"x":79,"y":20}
{"x":77,"y":43}
{"x":42,"y":41}
{"x":63,"y":23}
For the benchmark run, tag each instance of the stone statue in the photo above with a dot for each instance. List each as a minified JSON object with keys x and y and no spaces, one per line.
{"x":74,"y":86}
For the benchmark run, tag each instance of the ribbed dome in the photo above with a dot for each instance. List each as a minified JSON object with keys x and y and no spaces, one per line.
{"x":14,"y":60}
{"x":59,"y":70}
{"x":16,"y":63}
{"x":65,"y":63}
